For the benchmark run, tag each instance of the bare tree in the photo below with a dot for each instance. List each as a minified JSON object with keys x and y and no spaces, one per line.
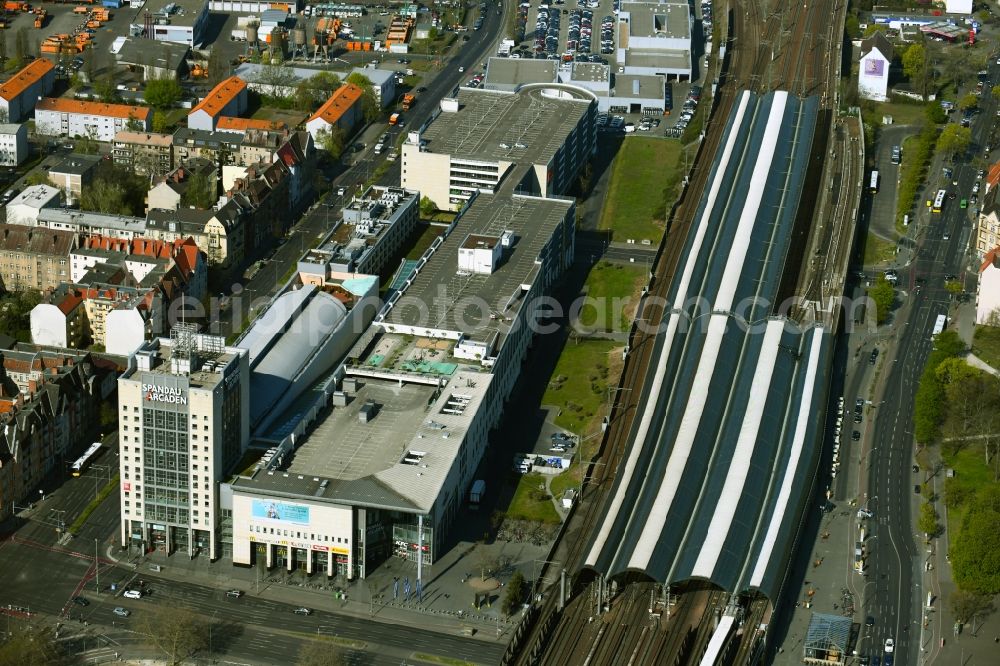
{"x":970,"y":606}
{"x":318,"y":653}
{"x":174,"y":631}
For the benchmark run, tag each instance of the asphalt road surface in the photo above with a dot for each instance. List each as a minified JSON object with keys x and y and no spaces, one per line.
{"x":892,"y":588}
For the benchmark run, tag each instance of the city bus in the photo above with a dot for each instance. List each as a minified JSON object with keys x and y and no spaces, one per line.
{"x":80,"y":464}
{"x":939,"y":201}
{"x":938,"y":326}
{"x":874,"y":183}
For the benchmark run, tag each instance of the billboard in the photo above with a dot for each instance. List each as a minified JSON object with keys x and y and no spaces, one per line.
{"x":874,"y":67}
{"x":281,"y":512}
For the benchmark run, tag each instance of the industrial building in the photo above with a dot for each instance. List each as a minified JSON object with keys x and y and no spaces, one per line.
{"x":183,"y":422}
{"x":20,"y":92}
{"x":180,"y":21}
{"x":229,"y":98}
{"x":432,"y":373}
{"x":480,"y":137}
{"x":654,"y":39}
{"x":97,"y":120}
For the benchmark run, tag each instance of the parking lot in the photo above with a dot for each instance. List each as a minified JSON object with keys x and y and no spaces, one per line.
{"x":62,"y":20}
{"x":581,"y":30}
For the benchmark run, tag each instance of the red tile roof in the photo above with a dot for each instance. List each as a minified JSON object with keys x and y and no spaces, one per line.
{"x":993,"y":177}
{"x":339,"y":103}
{"x":60,"y":105}
{"x":29,"y":75}
{"x":244,"y":124}
{"x":220,"y":96}
{"x":992,"y":258}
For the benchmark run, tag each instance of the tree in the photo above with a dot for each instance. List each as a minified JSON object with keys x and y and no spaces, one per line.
{"x":975,"y":552}
{"x":37,"y":178}
{"x":105,"y":196}
{"x":332,"y":141}
{"x":133,"y":124}
{"x":369,"y":103}
{"x":876,"y":27}
{"x":954,"y":139}
{"x":995,"y":91}
{"x":935,"y":114}
{"x":427,"y":207}
{"x":852,"y":27}
{"x":277,"y":79}
{"x":884,"y":295}
{"x":200,"y":191}
{"x":969,"y":101}
{"x":106,"y":88}
{"x":968,"y":605}
{"x":34,"y":647}
{"x":15,"y":313}
{"x":915,"y":67}
{"x":3,"y":50}
{"x":163,"y":93}
{"x":21,"y":46}
{"x":516,"y":591}
{"x":485,"y":561}
{"x":90,"y":65}
{"x":161,"y":123}
{"x":218,"y":69}
{"x":174,"y":631}
{"x":928,"y":521}
{"x":317,"y":653}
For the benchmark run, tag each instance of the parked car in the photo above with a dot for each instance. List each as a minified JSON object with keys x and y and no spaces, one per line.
{"x":81,"y":601}
{"x":121,"y":612}
{"x":132,"y":594}
{"x":234,"y":593}
{"x":303,"y":611}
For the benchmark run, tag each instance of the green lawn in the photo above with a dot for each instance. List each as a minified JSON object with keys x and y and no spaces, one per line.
{"x":560,"y":483}
{"x":642,"y":172}
{"x":986,"y":344}
{"x":902,"y":113}
{"x":528,"y":502}
{"x":579,"y":384}
{"x":971,"y":476}
{"x":878,"y":250}
{"x":613,"y":291}
{"x":423,"y":241}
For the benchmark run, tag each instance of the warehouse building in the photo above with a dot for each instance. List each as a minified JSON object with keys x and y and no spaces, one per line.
{"x":480,"y":137}
{"x":179,"y":21}
{"x":346,"y":496}
{"x":654,"y":39}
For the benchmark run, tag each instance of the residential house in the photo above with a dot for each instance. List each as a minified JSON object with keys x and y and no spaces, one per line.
{"x":383,"y":83}
{"x":13,"y":144}
{"x":34,"y":258}
{"x":144,"y":153}
{"x":49,"y":402}
{"x":988,"y":290}
{"x":168,"y":193}
{"x":124,"y":298}
{"x":229,"y":98}
{"x":343,"y":110}
{"x":20,"y":92}
{"x":97,"y":120}
{"x":873,"y":74}
{"x":74,"y":173}
{"x":222,"y":148}
{"x":988,"y":224}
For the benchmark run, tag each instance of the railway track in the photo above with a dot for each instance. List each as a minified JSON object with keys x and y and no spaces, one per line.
{"x":774,"y":46}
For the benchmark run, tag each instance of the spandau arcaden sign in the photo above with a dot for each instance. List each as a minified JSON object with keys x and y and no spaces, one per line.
{"x":167,"y":394}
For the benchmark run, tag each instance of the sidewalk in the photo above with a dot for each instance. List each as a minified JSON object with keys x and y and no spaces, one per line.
{"x":447,"y":605}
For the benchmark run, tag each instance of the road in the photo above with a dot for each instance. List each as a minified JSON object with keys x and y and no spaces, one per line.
{"x":892,"y":589}
{"x":251,"y":295}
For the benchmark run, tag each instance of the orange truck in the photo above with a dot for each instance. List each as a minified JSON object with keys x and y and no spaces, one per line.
{"x":11,"y":6}
{"x":408,"y":101}
{"x":81,"y":10}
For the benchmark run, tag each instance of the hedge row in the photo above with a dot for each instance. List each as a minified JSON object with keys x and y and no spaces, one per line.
{"x":914,"y":170}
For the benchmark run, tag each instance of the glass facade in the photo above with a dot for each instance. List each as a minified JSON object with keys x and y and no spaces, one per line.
{"x":165,"y":488}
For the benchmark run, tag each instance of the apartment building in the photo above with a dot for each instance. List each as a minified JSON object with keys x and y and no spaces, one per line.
{"x":97,"y":120}
{"x":13,"y":144}
{"x":343,"y":110}
{"x":20,"y":92}
{"x":144,"y":153}
{"x":49,"y":406}
{"x":33,"y":258}
{"x":183,"y":424}
{"x":229,"y":98}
